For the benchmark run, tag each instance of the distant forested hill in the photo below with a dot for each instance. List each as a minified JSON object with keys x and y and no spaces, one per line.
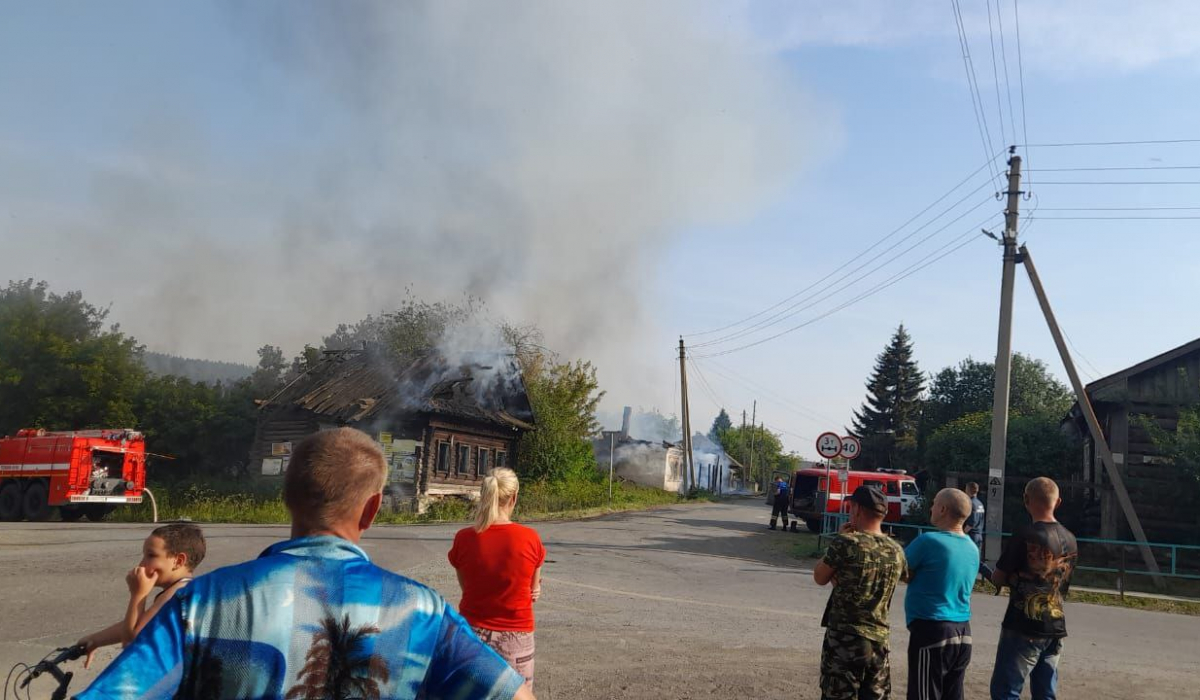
{"x":196,"y":370}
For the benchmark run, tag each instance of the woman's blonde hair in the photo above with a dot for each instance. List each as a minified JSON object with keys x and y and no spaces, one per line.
{"x":499,"y":486}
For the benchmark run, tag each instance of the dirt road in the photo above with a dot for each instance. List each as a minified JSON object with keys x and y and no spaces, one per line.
{"x":684,"y":602}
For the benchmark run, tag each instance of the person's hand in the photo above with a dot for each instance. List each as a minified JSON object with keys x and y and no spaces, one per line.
{"x":537,"y":593}
{"x":89,"y":645}
{"x":141,"y":582}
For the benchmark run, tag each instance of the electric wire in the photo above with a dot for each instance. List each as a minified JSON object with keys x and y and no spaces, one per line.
{"x":1021,"y":77}
{"x":1095,"y":373}
{"x":809,"y":301}
{"x":768,"y":395}
{"x":903,"y":274}
{"x":856,"y":257}
{"x":1012,"y":122}
{"x":1152,"y":142}
{"x":985,"y":134}
{"x":995,"y":73}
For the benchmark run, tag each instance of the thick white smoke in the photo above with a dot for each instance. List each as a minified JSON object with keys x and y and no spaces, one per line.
{"x":539,"y":155}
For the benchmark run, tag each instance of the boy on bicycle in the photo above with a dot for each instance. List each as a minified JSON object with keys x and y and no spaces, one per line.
{"x":170,"y":556}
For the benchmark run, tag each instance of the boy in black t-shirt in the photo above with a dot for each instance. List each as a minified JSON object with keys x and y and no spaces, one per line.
{"x":1036,"y":565}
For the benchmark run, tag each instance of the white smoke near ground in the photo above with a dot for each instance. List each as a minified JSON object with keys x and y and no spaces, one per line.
{"x":539,"y":155}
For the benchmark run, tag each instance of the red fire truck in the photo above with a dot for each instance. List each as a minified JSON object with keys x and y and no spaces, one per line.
{"x":82,"y":473}
{"x":817,"y":491}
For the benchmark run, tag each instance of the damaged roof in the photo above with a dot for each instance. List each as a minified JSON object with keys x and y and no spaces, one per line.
{"x":354,"y":386}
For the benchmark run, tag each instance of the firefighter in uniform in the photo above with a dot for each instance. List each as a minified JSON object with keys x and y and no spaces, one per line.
{"x":780,"y":503}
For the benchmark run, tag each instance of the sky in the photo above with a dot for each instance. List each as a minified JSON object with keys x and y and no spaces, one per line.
{"x":228,"y":175}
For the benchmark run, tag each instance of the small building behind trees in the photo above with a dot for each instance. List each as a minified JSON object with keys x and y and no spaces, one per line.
{"x":1132,"y":406}
{"x":442,"y":424}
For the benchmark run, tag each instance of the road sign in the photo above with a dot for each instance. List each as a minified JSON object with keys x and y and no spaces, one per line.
{"x":851,"y":447}
{"x":829,"y":445}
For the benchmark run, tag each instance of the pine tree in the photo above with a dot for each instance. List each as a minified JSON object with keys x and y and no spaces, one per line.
{"x":888,"y":421}
{"x":720,"y":424}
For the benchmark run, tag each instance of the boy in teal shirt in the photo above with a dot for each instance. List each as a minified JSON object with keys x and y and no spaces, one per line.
{"x":937,"y":606}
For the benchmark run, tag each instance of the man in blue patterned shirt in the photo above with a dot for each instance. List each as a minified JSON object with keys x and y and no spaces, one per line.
{"x":312,"y":617}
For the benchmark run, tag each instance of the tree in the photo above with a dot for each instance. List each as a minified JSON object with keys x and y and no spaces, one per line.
{"x":888,"y":421}
{"x":564,"y":397}
{"x":60,"y":367}
{"x":1036,"y":447}
{"x":968,"y":388}
{"x":720,"y":424}
{"x":767,"y":447}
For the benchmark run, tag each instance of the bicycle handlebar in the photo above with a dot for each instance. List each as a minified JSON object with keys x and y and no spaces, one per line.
{"x":51,"y":666}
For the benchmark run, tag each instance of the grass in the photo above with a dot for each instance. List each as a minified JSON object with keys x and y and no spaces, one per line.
{"x":229,"y":503}
{"x":805,"y":547}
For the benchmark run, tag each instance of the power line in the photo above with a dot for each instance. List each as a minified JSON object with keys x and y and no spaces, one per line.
{"x":1021,"y":76}
{"x":996,"y":76}
{"x":917,"y":267}
{"x":1107,"y":168}
{"x":1012,"y":121}
{"x":985,"y":134}
{"x":1118,"y":218}
{"x":811,"y":302}
{"x":1086,"y":361}
{"x":1121,"y":209}
{"x":1108,"y":143}
{"x":1121,"y":182}
{"x":858,"y":257}
{"x":753,"y":387}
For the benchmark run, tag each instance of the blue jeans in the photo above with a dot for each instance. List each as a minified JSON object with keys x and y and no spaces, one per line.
{"x":1019,"y":657}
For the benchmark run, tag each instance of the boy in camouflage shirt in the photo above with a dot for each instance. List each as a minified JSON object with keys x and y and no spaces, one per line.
{"x":864,"y":566}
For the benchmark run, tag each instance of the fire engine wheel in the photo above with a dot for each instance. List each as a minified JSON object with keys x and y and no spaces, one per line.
{"x":70,"y":514}
{"x":10,"y":501}
{"x":36,"y":503}
{"x":813,"y":525}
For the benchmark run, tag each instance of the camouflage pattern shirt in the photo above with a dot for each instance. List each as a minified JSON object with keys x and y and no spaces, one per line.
{"x":866,"y":569}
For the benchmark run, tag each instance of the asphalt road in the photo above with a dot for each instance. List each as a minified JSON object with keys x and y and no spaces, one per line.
{"x":685,"y":602}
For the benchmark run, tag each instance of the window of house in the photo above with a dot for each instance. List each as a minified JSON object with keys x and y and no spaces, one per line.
{"x":463,"y":465}
{"x":484,"y":462}
{"x":443,"y":457}
{"x":501,"y":458}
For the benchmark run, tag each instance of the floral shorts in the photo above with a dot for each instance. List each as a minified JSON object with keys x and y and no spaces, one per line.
{"x":514,"y":647}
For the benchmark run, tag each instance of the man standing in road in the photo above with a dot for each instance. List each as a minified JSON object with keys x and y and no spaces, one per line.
{"x":974,"y":524}
{"x":942,"y":566}
{"x":312,"y":617}
{"x":780,"y":502}
{"x":864,"y":565}
{"x":1036,"y":564}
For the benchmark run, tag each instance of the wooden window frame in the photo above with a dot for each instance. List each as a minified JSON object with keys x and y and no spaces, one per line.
{"x":483,"y":461}
{"x":438,"y":466}
{"x":501,"y":459}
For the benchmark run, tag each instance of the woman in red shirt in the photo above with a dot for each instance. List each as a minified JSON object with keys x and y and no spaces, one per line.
{"x":499,"y":565}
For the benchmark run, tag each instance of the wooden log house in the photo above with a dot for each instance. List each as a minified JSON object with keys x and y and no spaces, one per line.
{"x":442,"y":426}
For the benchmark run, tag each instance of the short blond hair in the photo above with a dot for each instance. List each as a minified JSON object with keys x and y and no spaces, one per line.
{"x":1043,"y":491}
{"x":956,"y":502}
{"x":331,"y":474}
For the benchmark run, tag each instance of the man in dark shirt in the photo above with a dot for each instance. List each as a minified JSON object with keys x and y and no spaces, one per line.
{"x":1036,"y":565}
{"x":780,"y":502}
{"x":974,"y":524}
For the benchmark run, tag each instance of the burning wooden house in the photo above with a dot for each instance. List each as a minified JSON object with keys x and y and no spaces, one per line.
{"x":647,"y":462}
{"x":442,"y":425}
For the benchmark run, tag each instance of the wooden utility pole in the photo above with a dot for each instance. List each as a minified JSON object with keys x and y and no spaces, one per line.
{"x":689,"y":475}
{"x":995,"y":483}
{"x":1085,"y":406}
{"x":753,"y":431}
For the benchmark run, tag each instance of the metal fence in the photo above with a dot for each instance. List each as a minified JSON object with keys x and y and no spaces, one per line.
{"x":1119,"y":558}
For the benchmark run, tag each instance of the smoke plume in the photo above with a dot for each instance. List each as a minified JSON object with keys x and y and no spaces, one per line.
{"x":539,"y":155}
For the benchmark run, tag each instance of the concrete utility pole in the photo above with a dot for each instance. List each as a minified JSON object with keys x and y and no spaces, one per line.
{"x":753,"y":431}
{"x":993,"y":526}
{"x":689,"y":476}
{"x":1085,"y":406}
{"x":612,"y":448}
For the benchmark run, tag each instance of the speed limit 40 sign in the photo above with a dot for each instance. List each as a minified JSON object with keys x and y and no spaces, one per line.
{"x":851,"y":447}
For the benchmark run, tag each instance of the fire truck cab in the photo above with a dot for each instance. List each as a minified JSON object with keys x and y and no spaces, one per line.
{"x":82,"y":473}
{"x":817,"y":491}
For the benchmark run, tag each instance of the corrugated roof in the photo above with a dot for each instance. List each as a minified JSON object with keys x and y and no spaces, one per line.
{"x":354,"y":386}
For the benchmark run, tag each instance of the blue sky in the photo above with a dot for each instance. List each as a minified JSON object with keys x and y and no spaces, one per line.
{"x":227,"y":177}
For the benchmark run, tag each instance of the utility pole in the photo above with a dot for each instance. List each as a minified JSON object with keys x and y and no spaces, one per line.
{"x":1085,"y":406}
{"x":746,"y":472}
{"x":689,"y":476}
{"x":753,"y":431}
{"x":993,"y":526}
{"x":612,"y":447}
